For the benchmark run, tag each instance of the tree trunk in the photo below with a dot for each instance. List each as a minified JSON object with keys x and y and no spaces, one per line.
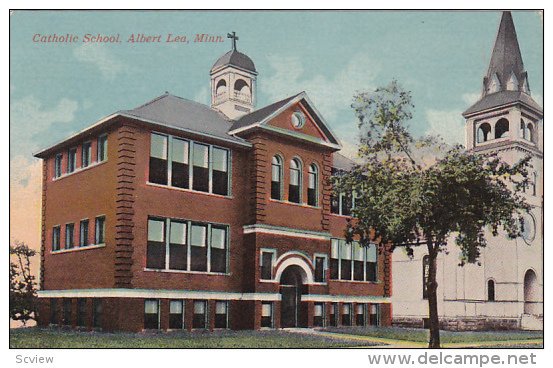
{"x":432,"y":286}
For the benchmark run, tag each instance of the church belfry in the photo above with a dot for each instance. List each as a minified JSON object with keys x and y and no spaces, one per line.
{"x":505,"y":115}
{"x":233,"y":79}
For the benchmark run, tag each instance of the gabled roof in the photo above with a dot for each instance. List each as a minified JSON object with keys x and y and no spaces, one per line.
{"x":503,"y":98}
{"x":261,"y":117}
{"x":176,"y":112}
{"x":342,"y":162}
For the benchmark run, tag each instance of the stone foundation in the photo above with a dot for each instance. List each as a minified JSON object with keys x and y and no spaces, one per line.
{"x":461,"y":323}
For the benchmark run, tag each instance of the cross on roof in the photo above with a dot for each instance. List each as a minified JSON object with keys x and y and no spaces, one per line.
{"x":234,"y":38}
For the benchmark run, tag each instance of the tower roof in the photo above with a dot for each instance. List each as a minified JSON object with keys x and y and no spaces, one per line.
{"x":235,"y":58}
{"x":506,"y":57}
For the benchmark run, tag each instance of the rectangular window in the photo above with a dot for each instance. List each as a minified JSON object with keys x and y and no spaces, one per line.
{"x":69,"y":236}
{"x":360,"y":313}
{"x":267,"y":314}
{"x":71,"y":160}
{"x":335,"y":204}
{"x":178,"y":247}
{"x":345,"y":260}
{"x":57,"y":165}
{"x":56,"y":231}
{"x":200,"y":314}
{"x":81,"y":312}
{"x":97,"y":310}
{"x":200,"y":165}
{"x":220,"y":171}
{"x":347,"y":204}
{"x":267,"y":265}
{"x":312,"y":188}
{"x":374,"y":316}
{"x":319,"y":315}
{"x":180,"y":169}
{"x":83,"y":233}
{"x":155,"y":257}
{"x":151,"y":314}
{"x":372,"y":274}
{"x":67,"y":311}
{"x":54,"y":312}
{"x":176,"y":314}
{"x":320,"y":266}
{"x":346,"y":314}
{"x":294,"y":194}
{"x":358,"y":262}
{"x":335,"y":259}
{"x":158,"y":159}
{"x":102,"y":148}
{"x":218,"y":249}
{"x":100,"y":230}
{"x":221,"y":314}
{"x":334,"y":314}
{"x":86,"y":154}
{"x":198,"y":248}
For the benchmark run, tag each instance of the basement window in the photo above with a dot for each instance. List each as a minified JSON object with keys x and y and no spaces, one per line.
{"x":200,"y":314}
{"x":151,"y":314}
{"x":267,"y":314}
{"x":221,"y":314}
{"x":176,"y":314}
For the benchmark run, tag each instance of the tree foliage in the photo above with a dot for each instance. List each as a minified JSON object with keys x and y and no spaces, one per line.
{"x":406,"y":197}
{"x":23,"y":297}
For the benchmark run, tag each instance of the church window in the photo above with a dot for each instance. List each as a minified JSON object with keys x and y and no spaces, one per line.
{"x":56,"y":238}
{"x":313,"y":185}
{"x":180,"y":169}
{"x":491,"y":291}
{"x":200,"y":314}
{"x":221,"y":314}
{"x":102,"y":153}
{"x":200,"y":174}
{"x":483,"y":134}
{"x":346,"y":314}
{"x":267,"y":314}
{"x":320,"y":268}
{"x":294,"y":189}
{"x":241,"y":86}
{"x":266,"y":263}
{"x":276,"y":178}
{"x":360,"y":313}
{"x":151,"y":314}
{"x":221,"y":87}
{"x":502,"y":128}
{"x":57,"y":165}
{"x":71,"y":160}
{"x":425,"y":269}
{"x":319,"y":315}
{"x":220,"y":171}
{"x":86,"y":154}
{"x":176,"y":314}
{"x":158,"y":159}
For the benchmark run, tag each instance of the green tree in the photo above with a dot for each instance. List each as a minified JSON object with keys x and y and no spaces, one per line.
{"x":23,"y":297}
{"x":420,"y":192}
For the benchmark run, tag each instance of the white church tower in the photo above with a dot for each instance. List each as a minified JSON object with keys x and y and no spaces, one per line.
{"x":233,"y":79}
{"x":506,"y":290}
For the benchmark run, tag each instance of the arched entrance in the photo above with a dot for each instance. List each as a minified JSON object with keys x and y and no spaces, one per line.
{"x":291,"y":289}
{"x":530,"y":292}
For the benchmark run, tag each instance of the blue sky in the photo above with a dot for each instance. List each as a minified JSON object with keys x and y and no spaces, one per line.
{"x":57,"y":89}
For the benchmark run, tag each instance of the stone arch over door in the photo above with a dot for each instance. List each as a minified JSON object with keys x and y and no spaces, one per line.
{"x":531,"y":292}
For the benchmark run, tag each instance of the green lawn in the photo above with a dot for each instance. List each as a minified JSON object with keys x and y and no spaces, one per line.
{"x":446,"y":337}
{"x":54,"y":338}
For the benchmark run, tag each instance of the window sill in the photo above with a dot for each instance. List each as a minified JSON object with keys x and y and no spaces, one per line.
{"x":188,"y":190}
{"x":305,"y":205}
{"x":356,"y":281}
{"x":187,"y":272}
{"x":319,"y":283}
{"x":342,"y":216}
{"x":80,"y":169}
{"x":76,"y":249}
{"x":268,"y":281}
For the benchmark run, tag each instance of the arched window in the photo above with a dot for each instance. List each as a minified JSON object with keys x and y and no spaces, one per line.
{"x":523,"y":130}
{"x":313,"y":185}
{"x":241,"y":86}
{"x":483,"y":134}
{"x":276,"y":178}
{"x":294,"y":189}
{"x":502,"y":128}
{"x":530,"y":132}
{"x":491,"y":290}
{"x":221,"y":87}
{"x":425,"y":269}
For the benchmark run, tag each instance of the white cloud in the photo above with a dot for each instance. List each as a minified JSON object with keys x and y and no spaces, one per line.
{"x":449,"y":124}
{"x":29,"y":118}
{"x":100,"y":56}
{"x":330,"y":93}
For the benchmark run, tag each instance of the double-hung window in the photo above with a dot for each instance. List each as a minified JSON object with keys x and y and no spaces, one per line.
{"x":158,"y":159}
{"x":71,"y":160}
{"x":178,"y":246}
{"x":151,"y":314}
{"x":57,"y":165}
{"x":313,"y":185}
{"x":56,"y":232}
{"x":353,"y":261}
{"x":176,"y":314}
{"x":200,"y":165}
{"x":220,"y":176}
{"x":221,"y":314}
{"x":100,"y":230}
{"x":266,"y":314}
{"x":218,"y":249}
{"x":155,"y":257}
{"x":200,"y":314}
{"x":180,"y":169}
{"x":198,"y":247}
{"x":360,"y":314}
{"x":102,"y":153}
{"x":86,"y":154}
{"x":320,"y":268}
{"x":276,"y":178}
{"x":319,"y":315}
{"x":83,"y":233}
{"x":69,"y":236}
{"x":294,"y":189}
{"x":266,"y":262}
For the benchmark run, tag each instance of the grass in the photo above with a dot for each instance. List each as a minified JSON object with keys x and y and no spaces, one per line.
{"x":446,"y":337}
{"x":58,"y":338}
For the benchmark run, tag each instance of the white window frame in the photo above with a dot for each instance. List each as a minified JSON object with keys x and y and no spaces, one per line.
{"x":103,"y":138}
{"x":365,"y":261}
{"x":96,"y":233}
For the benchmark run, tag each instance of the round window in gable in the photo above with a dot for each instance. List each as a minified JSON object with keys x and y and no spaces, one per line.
{"x":529,"y":231}
{"x":298,"y":119}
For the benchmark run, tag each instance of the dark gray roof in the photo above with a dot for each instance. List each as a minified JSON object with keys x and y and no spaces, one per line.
{"x":235,"y":58}
{"x":258,"y":115}
{"x":503,"y":98}
{"x":341,"y":162}
{"x":180,"y":113}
